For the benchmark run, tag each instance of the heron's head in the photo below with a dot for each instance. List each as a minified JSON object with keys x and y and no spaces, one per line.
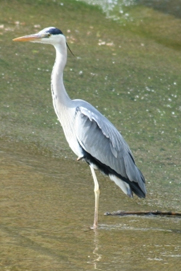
{"x":49,"y":35}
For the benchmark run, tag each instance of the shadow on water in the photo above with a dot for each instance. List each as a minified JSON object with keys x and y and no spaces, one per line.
{"x":46,"y":197}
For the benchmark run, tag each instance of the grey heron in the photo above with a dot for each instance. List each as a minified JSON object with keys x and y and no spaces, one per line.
{"x":90,"y":135}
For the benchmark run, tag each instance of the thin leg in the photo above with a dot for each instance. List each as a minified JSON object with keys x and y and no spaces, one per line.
{"x":96,"y":193}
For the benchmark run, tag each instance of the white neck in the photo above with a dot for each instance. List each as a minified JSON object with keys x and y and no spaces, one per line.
{"x":63,"y":105}
{"x":59,"y":93}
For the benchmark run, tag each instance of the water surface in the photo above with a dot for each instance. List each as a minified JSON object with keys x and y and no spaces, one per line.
{"x":130,"y":70}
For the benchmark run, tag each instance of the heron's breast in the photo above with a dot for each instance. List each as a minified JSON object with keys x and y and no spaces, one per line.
{"x":67,"y":123}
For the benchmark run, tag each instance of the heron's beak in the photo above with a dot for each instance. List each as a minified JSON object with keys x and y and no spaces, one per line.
{"x":33,"y":37}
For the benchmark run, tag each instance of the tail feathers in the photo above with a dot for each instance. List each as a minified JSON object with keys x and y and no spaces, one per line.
{"x":134,"y":177}
{"x":123,"y":185}
{"x":129,"y":187}
{"x":137,"y":190}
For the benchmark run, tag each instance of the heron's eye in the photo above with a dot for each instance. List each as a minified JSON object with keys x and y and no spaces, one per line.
{"x":47,"y":35}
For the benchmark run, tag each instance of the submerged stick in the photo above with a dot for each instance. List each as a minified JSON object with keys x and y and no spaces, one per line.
{"x":147,"y":213}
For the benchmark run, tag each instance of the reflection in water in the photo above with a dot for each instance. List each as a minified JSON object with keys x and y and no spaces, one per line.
{"x":97,"y":256}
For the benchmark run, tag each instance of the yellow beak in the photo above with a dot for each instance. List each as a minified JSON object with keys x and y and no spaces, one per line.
{"x":32,"y":37}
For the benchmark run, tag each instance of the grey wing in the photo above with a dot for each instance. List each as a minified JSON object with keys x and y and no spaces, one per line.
{"x":98,"y":137}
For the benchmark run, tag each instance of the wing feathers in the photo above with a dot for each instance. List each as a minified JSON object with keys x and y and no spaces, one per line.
{"x":99,"y":138}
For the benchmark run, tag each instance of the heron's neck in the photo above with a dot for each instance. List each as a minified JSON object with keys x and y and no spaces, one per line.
{"x":59,"y":93}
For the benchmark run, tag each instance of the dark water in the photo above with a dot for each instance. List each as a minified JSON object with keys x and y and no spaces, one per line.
{"x":130,"y":70}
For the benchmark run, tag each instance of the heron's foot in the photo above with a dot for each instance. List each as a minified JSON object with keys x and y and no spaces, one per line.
{"x":94,"y":227}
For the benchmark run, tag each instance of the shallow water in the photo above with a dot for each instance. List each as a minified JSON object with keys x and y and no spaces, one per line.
{"x":46,"y":196}
{"x":46,"y":213}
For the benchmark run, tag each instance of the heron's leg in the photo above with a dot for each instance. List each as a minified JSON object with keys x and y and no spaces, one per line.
{"x":96,"y":193}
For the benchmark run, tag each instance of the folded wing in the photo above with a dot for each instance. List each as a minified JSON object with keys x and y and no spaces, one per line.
{"x":105,"y":145}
